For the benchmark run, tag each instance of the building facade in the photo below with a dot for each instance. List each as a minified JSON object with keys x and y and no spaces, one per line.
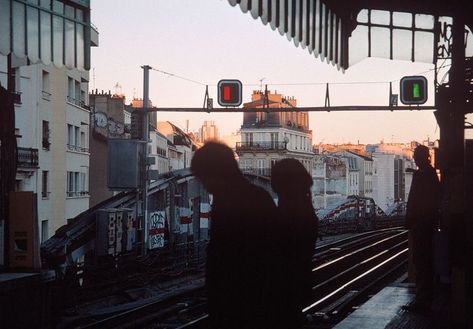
{"x":332,"y":177}
{"x":389,"y":178}
{"x":267,"y":137}
{"x":208,"y":131}
{"x":181,"y":146}
{"x":52,"y":121}
{"x":108,"y":121}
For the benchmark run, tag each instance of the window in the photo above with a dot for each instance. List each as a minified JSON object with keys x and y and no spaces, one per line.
{"x":44,"y":185}
{"x":70,"y":184}
{"x":70,"y":135}
{"x":70,"y":89}
{"x":76,"y":184}
{"x":76,"y":139}
{"x":274,"y":140}
{"x":46,"y":132}
{"x":82,"y":140}
{"x":82,"y":98}
{"x":44,"y":230}
{"x":77,"y":93}
{"x":76,"y":136}
{"x":46,"y":88}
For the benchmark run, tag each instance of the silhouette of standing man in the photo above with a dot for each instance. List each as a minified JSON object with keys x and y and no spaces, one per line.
{"x":238,"y":251}
{"x":421,"y":219}
{"x":298,"y":233}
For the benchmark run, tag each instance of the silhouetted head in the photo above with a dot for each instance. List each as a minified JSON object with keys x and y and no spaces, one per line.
{"x":421,"y":156}
{"x":289,"y":177}
{"x":215,"y":165}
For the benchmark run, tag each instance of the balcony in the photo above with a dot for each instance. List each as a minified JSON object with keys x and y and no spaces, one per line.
{"x":46,"y":95}
{"x":257,"y":171}
{"x":77,"y":148}
{"x":26,"y":157}
{"x":75,"y":194}
{"x":77,"y":102}
{"x":261,"y":146}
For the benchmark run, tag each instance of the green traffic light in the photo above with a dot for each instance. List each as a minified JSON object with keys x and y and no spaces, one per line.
{"x":415,"y":90}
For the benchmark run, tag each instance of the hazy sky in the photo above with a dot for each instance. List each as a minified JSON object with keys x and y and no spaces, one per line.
{"x":208,"y":40}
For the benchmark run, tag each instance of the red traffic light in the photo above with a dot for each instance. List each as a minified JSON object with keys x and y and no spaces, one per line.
{"x":229,"y":92}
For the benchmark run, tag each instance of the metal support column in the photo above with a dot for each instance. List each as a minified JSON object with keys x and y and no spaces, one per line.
{"x":453,"y":177}
{"x":144,"y":162}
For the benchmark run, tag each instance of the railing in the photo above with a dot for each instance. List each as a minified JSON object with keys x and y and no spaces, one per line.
{"x":26,"y":157}
{"x":261,"y":146}
{"x":77,"y":148}
{"x":71,"y":194}
{"x":46,"y":95}
{"x":77,"y":102}
{"x":258,"y":171}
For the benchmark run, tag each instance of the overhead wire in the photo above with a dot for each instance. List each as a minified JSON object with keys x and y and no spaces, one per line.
{"x":298,"y":83}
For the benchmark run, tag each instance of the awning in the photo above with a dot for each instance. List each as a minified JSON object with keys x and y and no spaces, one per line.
{"x":400,"y":30}
{"x":311,"y":24}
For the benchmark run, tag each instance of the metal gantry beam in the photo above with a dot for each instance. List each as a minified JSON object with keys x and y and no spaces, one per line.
{"x":350,"y":108}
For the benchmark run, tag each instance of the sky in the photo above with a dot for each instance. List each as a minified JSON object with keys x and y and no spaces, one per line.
{"x":209,"y":40}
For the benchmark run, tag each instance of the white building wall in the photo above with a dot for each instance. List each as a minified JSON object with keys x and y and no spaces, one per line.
{"x":44,"y":91}
{"x":368,"y":178}
{"x":383,"y":179}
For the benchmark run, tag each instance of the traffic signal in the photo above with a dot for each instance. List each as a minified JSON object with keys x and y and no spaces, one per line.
{"x":413,"y":90}
{"x":229,"y":92}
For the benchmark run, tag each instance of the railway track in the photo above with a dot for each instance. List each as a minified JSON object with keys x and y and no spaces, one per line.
{"x":360,"y":263}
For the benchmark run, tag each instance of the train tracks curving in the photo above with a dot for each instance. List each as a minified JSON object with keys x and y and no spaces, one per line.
{"x":344,"y":271}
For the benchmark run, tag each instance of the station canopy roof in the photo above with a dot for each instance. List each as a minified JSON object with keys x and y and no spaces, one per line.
{"x":56,"y":32}
{"x":403,"y":30}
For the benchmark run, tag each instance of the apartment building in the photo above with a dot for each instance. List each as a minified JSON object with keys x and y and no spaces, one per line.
{"x":269,"y":136}
{"x":52,"y":130}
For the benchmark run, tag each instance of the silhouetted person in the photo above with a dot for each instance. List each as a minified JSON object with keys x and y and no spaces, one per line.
{"x":421,"y":220}
{"x":298,"y":225}
{"x":238,"y":251}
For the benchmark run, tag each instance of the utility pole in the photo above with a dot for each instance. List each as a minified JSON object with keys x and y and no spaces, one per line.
{"x":144,"y":161}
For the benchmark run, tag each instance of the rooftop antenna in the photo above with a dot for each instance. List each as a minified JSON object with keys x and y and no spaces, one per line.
{"x":117,"y":89}
{"x":261,"y":83}
{"x":134,"y":93}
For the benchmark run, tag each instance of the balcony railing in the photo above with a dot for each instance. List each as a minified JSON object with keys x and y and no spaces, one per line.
{"x":46,"y":95}
{"x":78,"y":102}
{"x":257,"y":171}
{"x":261,"y":146}
{"x":27,"y":157}
{"x":72,"y":194}
{"x":77,"y":148}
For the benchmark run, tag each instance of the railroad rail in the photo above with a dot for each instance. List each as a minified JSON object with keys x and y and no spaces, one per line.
{"x":360,"y":261}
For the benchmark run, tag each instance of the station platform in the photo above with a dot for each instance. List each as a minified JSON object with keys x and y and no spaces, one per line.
{"x":25,"y":299}
{"x":384,"y":310}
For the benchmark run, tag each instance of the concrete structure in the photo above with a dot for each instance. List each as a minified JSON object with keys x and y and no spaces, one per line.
{"x":269,"y":137}
{"x":159,"y":149}
{"x":108,"y":121}
{"x":364,"y":165}
{"x":389,"y":178}
{"x":180,"y":145}
{"x":405,"y":150}
{"x":208,"y":131}
{"x":331,"y":174}
{"x":52,"y":129}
